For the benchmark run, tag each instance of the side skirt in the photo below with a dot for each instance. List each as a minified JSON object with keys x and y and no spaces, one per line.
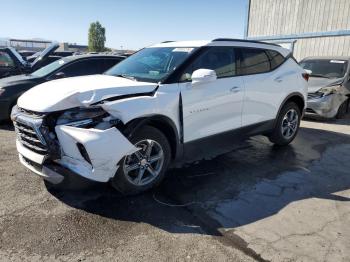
{"x":211,"y":146}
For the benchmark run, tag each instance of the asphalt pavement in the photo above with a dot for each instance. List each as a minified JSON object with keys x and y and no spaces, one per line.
{"x":256,"y":203}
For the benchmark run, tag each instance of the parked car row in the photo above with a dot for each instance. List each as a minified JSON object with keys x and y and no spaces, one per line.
{"x":12,"y":63}
{"x":12,"y":87}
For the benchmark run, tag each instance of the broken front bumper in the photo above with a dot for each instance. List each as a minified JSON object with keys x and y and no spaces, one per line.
{"x":91,"y":153}
{"x":326,"y":106}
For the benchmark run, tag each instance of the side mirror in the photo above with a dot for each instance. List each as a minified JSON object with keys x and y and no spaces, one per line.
{"x":58,"y":75}
{"x":203,"y":76}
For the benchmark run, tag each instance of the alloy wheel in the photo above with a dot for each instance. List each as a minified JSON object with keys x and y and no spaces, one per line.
{"x":290,"y":124}
{"x":144,"y":166}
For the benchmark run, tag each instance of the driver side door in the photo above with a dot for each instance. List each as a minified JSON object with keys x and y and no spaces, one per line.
{"x":214,"y":107}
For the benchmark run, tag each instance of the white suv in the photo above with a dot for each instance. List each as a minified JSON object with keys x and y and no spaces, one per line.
{"x":165,"y":105}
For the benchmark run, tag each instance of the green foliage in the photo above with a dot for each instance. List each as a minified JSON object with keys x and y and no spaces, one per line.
{"x":97,"y":37}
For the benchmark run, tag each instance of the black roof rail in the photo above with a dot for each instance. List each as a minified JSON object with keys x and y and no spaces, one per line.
{"x":243,"y":40}
{"x":164,"y":42}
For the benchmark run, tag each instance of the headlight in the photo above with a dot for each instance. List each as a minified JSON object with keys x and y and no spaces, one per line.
{"x":81,"y":116}
{"x":325,"y":91}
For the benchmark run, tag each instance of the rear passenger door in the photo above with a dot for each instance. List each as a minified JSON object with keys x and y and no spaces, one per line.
{"x":263,"y":82}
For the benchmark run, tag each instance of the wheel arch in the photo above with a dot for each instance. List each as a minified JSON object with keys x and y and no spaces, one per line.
{"x":295,"y":97}
{"x":162,"y":123}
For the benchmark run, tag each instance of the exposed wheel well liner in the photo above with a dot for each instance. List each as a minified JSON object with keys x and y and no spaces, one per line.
{"x":163,"y":123}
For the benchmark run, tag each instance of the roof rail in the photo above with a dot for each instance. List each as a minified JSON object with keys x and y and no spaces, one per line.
{"x":243,"y":40}
{"x":164,"y":42}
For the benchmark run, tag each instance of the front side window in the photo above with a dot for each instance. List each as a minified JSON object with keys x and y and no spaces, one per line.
{"x":6,"y":60}
{"x":221,"y":59}
{"x":152,"y":64}
{"x":253,"y":61}
{"x":327,"y":68}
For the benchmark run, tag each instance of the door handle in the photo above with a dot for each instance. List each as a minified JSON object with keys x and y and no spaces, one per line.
{"x":234,"y":89}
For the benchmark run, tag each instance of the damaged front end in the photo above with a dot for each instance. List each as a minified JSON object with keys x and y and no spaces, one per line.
{"x":85,"y":141}
{"x":326,"y":101}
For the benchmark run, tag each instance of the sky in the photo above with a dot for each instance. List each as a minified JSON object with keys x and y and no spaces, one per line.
{"x":131,"y":24}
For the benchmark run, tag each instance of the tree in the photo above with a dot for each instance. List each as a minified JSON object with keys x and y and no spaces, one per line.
{"x":97,"y":37}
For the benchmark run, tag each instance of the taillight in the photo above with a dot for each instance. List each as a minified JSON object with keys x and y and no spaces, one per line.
{"x":306,"y":76}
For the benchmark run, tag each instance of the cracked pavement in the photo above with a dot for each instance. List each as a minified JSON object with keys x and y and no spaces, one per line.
{"x":256,"y":203}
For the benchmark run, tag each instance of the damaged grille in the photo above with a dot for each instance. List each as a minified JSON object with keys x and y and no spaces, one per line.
{"x":29,"y":135}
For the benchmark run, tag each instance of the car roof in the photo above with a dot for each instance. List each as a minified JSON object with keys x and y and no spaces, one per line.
{"x":224,"y":42}
{"x":326,"y":58}
{"x":88,"y":56}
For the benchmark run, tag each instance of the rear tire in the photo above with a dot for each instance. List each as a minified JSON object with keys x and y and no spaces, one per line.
{"x":287,"y":125}
{"x":145,"y":168}
{"x":342,"y":110}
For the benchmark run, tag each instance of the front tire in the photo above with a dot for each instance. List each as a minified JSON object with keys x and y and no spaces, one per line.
{"x":287,"y":125}
{"x":145,"y":168}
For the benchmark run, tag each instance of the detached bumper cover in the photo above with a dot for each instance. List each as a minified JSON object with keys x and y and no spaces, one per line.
{"x":105,"y":149}
{"x":325,"y":106}
{"x":27,"y":158}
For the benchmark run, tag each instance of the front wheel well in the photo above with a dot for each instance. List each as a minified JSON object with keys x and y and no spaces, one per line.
{"x":163,"y":124}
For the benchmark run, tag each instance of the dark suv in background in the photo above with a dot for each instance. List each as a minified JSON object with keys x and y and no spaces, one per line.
{"x":12,"y":87}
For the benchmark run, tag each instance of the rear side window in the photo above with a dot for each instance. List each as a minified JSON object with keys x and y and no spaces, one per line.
{"x":276,"y":59}
{"x":221,"y":59}
{"x":253,"y":61}
{"x":84,"y":67}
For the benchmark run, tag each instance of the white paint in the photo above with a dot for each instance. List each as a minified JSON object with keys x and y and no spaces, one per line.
{"x":79,"y":91}
{"x":210,"y":106}
{"x":104,"y":147}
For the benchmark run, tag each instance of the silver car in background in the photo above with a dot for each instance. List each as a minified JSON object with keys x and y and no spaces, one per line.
{"x":329,"y":86}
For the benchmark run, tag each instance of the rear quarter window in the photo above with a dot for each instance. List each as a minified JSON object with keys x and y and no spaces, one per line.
{"x":253,"y":61}
{"x":276,"y":59}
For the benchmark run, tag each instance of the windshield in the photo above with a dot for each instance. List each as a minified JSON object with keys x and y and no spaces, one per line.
{"x":326,"y":68}
{"x":151,"y":64}
{"x":48,"y":69}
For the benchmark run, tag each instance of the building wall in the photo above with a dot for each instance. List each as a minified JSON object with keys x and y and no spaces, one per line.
{"x":319,"y":27}
{"x":285,"y":17}
{"x":322,"y":46}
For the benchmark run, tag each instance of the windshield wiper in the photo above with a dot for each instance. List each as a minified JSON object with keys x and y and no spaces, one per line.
{"x":317,"y":75}
{"x":127,"y":77}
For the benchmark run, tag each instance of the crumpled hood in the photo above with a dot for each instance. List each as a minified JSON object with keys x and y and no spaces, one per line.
{"x":315,"y":83}
{"x":79,"y":91}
